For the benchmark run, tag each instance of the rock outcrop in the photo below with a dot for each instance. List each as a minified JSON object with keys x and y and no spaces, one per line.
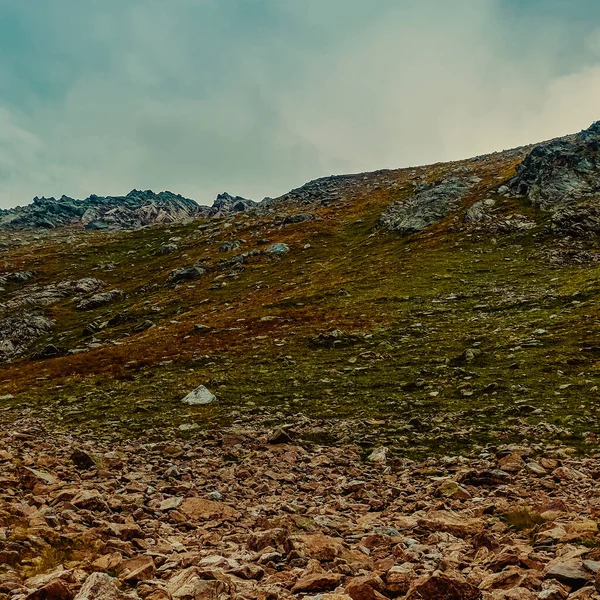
{"x":429,"y":204}
{"x":19,"y":331}
{"x":226,"y":204}
{"x":562,"y":171}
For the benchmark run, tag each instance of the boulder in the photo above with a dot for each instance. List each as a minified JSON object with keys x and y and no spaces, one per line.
{"x":186,"y":274}
{"x":277,"y":249}
{"x":199,"y":397}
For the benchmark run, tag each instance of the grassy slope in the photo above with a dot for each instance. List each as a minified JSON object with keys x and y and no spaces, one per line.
{"x":413,"y":305}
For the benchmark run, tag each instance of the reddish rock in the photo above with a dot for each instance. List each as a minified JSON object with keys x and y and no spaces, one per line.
{"x":399,"y":578}
{"x":195,"y":584}
{"x":457,"y":525}
{"x":322,"y":547}
{"x":365,"y":588}
{"x":137,"y":569}
{"x":54,"y":590}
{"x":317,"y":582}
{"x":200,"y":509}
{"x":108,"y":562}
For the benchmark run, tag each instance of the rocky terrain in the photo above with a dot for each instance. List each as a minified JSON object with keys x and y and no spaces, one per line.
{"x":382,"y":385}
{"x":247,"y":514}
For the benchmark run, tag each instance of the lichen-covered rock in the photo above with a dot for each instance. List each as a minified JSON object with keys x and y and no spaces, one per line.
{"x":278,"y":249}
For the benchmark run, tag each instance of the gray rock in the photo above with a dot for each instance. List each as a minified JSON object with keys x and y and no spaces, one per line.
{"x":480,"y":211}
{"x":428,"y":205}
{"x":572,"y":573}
{"x":100,"y":586}
{"x":230,"y":245}
{"x":277,"y":249}
{"x":226,"y":204}
{"x":98,"y":300}
{"x":512,"y":224}
{"x":168,"y":249}
{"x":299,"y":218}
{"x":199,"y":397}
{"x":186,"y":274}
{"x":35,"y":295}
{"x":19,"y":331}
{"x":19,"y":276}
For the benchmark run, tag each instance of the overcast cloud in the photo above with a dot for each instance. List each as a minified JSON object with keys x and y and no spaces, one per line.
{"x":258,"y":96}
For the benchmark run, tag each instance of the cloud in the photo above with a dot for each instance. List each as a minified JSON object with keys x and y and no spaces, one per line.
{"x":202,"y":96}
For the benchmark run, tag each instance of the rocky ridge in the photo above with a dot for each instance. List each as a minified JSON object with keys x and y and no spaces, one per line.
{"x":136,"y":209}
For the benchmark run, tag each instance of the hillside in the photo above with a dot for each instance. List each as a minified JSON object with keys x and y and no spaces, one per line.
{"x":439,"y":312}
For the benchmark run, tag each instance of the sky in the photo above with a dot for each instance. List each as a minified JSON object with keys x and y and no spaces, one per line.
{"x":256,"y":97}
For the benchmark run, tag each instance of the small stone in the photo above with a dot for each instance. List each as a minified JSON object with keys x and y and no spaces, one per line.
{"x":379,"y":455}
{"x":137,"y":569}
{"x":452,"y":489}
{"x":365,"y":588}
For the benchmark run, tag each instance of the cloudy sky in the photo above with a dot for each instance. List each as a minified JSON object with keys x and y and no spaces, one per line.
{"x":258,"y":96}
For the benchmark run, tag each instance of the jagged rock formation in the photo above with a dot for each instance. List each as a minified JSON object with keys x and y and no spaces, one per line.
{"x":136,"y":209}
{"x":226,"y":204}
{"x":429,"y":204}
{"x":562,"y":171}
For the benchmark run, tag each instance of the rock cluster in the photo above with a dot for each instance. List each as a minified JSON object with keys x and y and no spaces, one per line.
{"x":249,"y":515}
